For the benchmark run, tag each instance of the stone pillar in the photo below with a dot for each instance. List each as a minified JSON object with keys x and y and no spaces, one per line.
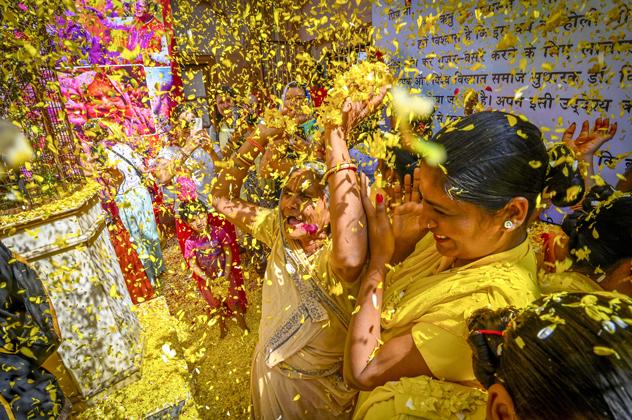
{"x":70,"y":250}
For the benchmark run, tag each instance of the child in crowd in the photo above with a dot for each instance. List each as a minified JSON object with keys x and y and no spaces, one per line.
{"x":566,"y":356}
{"x":210,"y":257}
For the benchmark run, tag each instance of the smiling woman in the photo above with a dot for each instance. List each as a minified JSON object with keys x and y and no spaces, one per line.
{"x":318,"y":248}
{"x":306,"y":213}
{"x":407,"y":343}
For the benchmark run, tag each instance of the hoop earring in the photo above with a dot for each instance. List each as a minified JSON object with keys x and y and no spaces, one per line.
{"x":508,"y":224}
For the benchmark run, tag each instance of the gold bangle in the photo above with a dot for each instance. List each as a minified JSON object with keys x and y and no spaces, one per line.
{"x":244,"y":160}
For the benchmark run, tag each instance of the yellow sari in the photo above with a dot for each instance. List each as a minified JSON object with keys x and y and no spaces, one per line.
{"x":425,"y":297}
{"x":305,"y":313}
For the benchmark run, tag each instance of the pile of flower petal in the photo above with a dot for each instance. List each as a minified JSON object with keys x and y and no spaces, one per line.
{"x":164,"y":379}
{"x":219,"y":368}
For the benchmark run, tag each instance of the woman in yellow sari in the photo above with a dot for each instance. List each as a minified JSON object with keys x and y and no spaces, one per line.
{"x":460,"y":248}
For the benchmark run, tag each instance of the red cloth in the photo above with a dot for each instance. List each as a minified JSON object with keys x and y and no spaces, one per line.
{"x":137,"y":282}
{"x":157,"y":200}
{"x":237,"y":300}
{"x":318,"y":94}
{"x":178,"y":87}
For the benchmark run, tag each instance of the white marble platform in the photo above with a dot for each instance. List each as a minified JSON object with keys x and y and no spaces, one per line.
{"x":73,"y":256}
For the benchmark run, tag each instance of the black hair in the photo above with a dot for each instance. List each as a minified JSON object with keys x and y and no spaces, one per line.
{"x":486,"y":357}
{"x":183,"y":107}
{"x":494,"y":156}
{"x":191,"y":208}
{"x":600,"y":235}
{"x":405,"y":163}
{"x":566,"y":356}
{"x":592,"y":199}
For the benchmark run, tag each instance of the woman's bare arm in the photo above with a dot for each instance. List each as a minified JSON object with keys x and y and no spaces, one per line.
{"x":231,"y":178}
{"x":348,"y":221}
{"x":367,"y":363}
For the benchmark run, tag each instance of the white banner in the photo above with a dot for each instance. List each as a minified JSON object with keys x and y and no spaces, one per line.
{"x":558,"y":63}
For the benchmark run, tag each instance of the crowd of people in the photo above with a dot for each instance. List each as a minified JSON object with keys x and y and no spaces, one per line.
{"x":436,"y":292}
{"x":377,"y":298}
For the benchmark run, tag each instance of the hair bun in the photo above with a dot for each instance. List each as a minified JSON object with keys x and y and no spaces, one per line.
{"x":564,"y":183}
{"x":487,"y":348}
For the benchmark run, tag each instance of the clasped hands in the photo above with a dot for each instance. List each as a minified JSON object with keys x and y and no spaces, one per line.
{"x":396,"y":222}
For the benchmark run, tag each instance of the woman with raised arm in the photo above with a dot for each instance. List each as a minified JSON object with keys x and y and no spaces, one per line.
{"x":577,"y":155}
{"x":297,"y":139}
{"x":462,"y":247}
{"x":186,"y":166}
{"x":318,"y":250}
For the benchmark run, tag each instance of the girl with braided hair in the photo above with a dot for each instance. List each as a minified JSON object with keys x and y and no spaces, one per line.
{"x":566,"y":356}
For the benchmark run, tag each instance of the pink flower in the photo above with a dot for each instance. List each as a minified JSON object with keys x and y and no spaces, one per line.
{"x":310,"y":228}
{"x":188,"y":189}
{"x":23,"y":7}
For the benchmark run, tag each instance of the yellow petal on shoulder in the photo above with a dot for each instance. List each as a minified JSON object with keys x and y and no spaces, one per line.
{"x":605,"y":351}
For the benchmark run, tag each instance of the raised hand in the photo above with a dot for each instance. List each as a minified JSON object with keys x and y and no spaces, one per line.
{"x":354,"y":112}
{"x":589,"y":141}
{"x":380,"y":231}
{"x":194,"y":141}
{"x":408,"y":221}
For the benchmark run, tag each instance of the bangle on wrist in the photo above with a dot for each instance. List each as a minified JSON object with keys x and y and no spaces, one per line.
{"x":247,"y":162}
{"x":344,"y":166}
{"x":254,"y":144}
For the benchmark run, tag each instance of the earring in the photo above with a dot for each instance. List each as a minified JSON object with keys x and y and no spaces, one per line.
{"x":508,"y":224}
